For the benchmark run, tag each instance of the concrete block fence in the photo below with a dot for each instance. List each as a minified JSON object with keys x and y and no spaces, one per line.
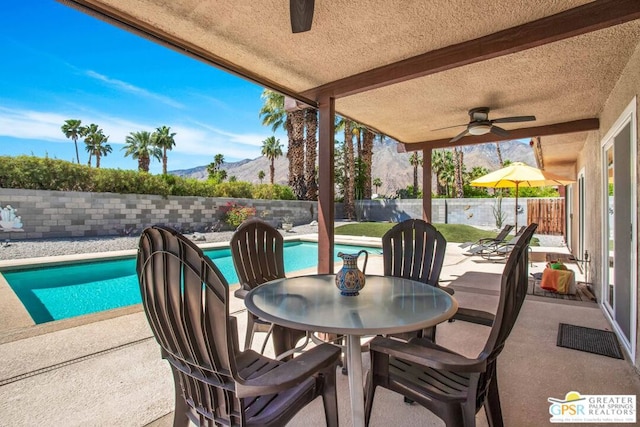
{"x":52,"y":214}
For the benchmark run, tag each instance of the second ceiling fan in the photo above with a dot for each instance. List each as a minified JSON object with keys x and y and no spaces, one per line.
{"x":479,"y":123}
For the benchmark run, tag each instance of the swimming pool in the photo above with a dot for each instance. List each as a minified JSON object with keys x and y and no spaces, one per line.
{"x":60,"y":292}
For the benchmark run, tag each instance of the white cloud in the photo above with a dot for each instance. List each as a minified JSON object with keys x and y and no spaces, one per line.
{"x":195,"y":139}
{"x":127,"y":87}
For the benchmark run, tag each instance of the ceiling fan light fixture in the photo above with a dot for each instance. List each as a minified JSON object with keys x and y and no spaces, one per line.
{"x":480,"y":129}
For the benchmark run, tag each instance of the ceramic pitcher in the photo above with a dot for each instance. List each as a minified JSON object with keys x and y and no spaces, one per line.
{"x":349,"y":279}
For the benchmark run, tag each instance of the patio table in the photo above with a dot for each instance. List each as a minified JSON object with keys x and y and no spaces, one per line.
{"x":386,"y":305}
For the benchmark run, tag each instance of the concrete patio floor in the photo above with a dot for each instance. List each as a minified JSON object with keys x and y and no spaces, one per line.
{"x":106,"y":369}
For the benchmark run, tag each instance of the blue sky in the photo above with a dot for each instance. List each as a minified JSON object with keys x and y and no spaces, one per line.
{"x":59,"y":64}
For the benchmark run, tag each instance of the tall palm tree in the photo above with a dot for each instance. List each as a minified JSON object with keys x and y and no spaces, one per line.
{"x":71,"y":129}
{"x":271,"y":149}
{"x":296,"y":154}
{"x":311,"y":142}
{"x":163,"y":139}
{"x":84,"y":132}
{"x":441,"y":161}
{"x":349,"y":166}
{"x":97,"y":146}
{"x":499,"y":153}
{"x":415,"y":161}
{"x":458,"y":165}
{"x":139,"y":145}
{"x":260,"y":175}
{"x":367,"y":159}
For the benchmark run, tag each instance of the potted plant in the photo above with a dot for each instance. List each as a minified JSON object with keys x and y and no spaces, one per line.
{"x":287,"y":224}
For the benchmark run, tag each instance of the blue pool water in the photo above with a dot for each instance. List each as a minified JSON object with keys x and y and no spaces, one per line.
{"x":60,"y":292}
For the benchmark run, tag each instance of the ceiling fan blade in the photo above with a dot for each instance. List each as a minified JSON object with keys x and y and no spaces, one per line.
{"x":301,"y":12}
{"x":498,"y":131}
{"x":448,"y":127}
{"x":514,"y":119}
{"x":460,"y":135}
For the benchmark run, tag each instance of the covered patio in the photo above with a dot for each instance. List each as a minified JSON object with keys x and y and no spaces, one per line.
{"x":406,"y":68}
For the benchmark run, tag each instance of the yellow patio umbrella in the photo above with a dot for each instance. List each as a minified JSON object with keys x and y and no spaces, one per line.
{"x":519,"y":175}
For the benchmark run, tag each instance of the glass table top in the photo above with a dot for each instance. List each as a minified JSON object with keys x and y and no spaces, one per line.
{"x":385,"y":305}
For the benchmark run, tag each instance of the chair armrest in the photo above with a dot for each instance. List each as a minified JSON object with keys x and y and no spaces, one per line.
{"x":290,"y":373}
{"x":448,"y":290}
{"x":240,"y":293}
{"x":474,"y":316}
{"x":431,"y":357}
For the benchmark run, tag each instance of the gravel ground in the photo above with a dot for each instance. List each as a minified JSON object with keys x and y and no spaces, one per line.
{"x":18,"y":249}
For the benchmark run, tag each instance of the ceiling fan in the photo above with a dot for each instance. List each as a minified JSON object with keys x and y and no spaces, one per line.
{"x":301,"y":12}
{"x":479,"y":123}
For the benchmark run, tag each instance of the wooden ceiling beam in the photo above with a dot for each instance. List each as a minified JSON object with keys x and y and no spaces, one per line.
{"x":522,"y":133}
{"x":570,"y":23}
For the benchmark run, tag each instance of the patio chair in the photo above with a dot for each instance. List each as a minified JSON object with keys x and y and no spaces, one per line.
{"x":502,"y":250}
{"x":257,"y":250}
{"x":450,"y":385}
{"x":414,"y":249}
{"x":488,"y":241}
{"x":186,"y":300}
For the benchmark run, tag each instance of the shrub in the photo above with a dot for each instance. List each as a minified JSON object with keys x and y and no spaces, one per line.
{"x":236,"y":214}
{"x":272,"y":192}
{"x":236,"y":190}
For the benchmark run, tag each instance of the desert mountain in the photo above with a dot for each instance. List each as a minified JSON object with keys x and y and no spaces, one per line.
{"x":393,"y":168}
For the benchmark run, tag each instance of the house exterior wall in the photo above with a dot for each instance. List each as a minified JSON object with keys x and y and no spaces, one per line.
{"x":625,"y":89}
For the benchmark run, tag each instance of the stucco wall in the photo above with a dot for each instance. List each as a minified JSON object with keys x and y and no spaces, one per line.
{"x":626,"y":88}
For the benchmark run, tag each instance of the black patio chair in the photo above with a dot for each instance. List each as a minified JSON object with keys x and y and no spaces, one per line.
{"x":450,"y":385}
{"x":414,"y":249}
{"x":257,"y":250}
{"x":186,"y":300}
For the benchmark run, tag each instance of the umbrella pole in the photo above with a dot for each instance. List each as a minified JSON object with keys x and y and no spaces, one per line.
{"x":517,"y":183}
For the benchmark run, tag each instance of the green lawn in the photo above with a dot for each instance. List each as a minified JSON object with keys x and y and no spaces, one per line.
{"x":452,"y":232}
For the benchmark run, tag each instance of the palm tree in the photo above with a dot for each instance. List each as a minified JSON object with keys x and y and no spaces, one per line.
{"x":377,"y":182}
{"x":96,"y":145}
{"x":349,"y":166}
{"x":218,"y":159}
{"x":260,"y":175}
{"x":271,"y":149}
{"x":162,"y":138}
{"x":367,"y":160}
{"x":311,"y":125}
{"x":458,"y":165}
{"x":139,"y":145}
{"x":415,"y":161}
{"x":441,"y":161}
{"x":71,"y":129}
{"x":85,"y":131}
{"x":499,"y":153}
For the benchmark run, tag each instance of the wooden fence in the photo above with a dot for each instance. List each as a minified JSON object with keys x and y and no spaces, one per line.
{"x":548,"y":214}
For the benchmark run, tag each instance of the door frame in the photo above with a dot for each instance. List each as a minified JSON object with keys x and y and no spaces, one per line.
{"x":628,"y":117}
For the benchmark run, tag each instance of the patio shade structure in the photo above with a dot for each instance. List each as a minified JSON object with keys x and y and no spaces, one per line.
{"x":518,"y":175}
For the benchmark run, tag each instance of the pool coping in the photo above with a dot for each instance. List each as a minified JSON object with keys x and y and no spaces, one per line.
{"x":17,"y":324}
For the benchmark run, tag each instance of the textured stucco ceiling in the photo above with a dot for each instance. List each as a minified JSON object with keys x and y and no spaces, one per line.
{"x":557,"y":82}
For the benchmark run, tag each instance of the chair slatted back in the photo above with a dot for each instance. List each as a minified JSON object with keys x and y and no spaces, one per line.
{"x":414,"y":249}
{"x":185,"y":298}
{"x":504,"y":233}
{"x":513,"y":290}
{"x":258,"y":253}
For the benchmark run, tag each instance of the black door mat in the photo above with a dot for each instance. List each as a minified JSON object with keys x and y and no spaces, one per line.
{"x":590,"y":340}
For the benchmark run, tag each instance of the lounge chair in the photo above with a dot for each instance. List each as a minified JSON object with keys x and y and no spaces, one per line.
{"x":448,"y":384}
{"x":487,"y":241}
{"x":502,"y":250}
{"x":186,"y":300}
